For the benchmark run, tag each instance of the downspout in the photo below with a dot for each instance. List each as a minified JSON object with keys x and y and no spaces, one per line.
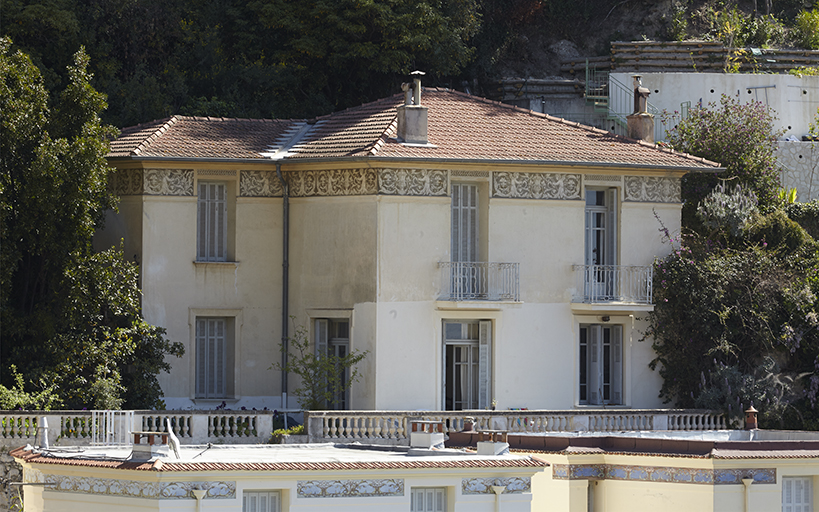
{"x":285,"y":279}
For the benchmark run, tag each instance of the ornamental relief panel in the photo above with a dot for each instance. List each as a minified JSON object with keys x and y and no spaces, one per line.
{"x":533,"y":185}
{"x":662,"y":474}
{"x":138,"y":489}
{"x":339,"y":182}
{"x":259,"y":184}
{"x":413,"y":182}
{"x":349,"y":488}
{"x":127,"y":182}
{"x":484,"y":485}
{"x":169,"y":182}
{"x":652,"y":189}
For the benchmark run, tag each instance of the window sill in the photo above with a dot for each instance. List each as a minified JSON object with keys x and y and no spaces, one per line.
{"x":216,"y":264}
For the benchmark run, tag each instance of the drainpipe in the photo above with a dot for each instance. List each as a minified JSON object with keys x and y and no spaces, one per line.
{"x":498,"y":490}
{"x":199,"y":494}
{"x":747,"y":483}
{"x":285,"y":279}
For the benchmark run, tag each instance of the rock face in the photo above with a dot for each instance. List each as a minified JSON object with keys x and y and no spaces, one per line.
{"x":10,"y":471}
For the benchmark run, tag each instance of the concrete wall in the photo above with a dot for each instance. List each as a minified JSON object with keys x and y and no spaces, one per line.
{"x":800,"y":168}
{"x":793,"y":99}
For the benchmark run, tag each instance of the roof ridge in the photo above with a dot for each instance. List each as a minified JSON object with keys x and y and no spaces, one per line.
{"x":356,"y":107}
{"x":161,"y":129}
{"x":382,"y":139}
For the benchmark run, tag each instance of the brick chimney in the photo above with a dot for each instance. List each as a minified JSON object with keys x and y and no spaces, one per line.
{"x":412,"y":116}
{"x":640,"y":122}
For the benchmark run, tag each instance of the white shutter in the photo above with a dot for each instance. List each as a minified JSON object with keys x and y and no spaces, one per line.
{"x":428,"y":499}
{"x":611,"y":226}
{"x":797,"y":494}
{"x":322,"y":334}
{"x":595,"y":370}
{"x":201,"y":357}
{"x":485,"y":365}
{"x":211,"y":229}
{"x":616,"y":364}
{"x":260,"y":501}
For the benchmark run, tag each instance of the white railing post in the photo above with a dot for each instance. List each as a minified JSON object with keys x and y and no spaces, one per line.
{"x":199,"y":428}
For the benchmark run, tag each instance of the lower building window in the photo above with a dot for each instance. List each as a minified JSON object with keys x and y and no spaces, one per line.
{"x":428,"y":499}
{"x":797,"y":494}
{"x":467,"y":364}
{"x":214,"y":357}
{"x":261,"y":501}
{"x":601,"y":364}
{"x":333,"y":338}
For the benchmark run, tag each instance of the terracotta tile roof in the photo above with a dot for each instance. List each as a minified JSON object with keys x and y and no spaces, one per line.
{"x":424,"y":462}
{"x":461,"y":127}
{"x":202,"y":137}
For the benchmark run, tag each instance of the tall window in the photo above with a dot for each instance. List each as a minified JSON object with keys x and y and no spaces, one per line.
{"x":212,"y":243}
{"x":212,"y":339}
{"x":428,"y":499}
{"x":467,"y":368}
{"x":333,"y":337}
{"x":797,"y":494}
{"x":464,"y":222}
{"x":601,"y":242}
{"x":261,"y":501}
{"x":601,"y":364}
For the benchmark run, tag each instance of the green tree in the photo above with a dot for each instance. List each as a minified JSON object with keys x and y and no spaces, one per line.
{"x":322,"y":377}
{"x":741,"y":137}
{"x":736,"y":319}
{"x":70,"y":317}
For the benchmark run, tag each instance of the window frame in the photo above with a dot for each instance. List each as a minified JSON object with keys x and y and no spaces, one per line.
{"x":326,"y":337}
{"x":598,"y":369}
{"x":233,"y":325}
{"x":807,"y":492}
{"x":480,"y":369}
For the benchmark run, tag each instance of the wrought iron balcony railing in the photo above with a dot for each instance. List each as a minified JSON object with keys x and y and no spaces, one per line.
{"x":614,"y":283}
{"x":463,"y":280}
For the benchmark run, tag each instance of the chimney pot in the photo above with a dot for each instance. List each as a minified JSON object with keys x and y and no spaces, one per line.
{"x":751,"y":418}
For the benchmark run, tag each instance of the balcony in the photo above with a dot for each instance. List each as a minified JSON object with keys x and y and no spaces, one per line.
{"x":489,"y":281}
{"x":626,"y":284}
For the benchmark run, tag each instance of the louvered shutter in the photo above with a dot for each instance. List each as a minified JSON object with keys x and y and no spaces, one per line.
{"x":428,"y":499}
{"x":485,"y":365}
{"x":219,"y":366}
{"x":595,"y":371}
{"x":611,"y":226}
{"x":201,"y":357}
{"x":797,"y":494}
{"x":464,"y":222}
{"x":260,"y":501}
{"x":616,"y":364}
{"x":322,"y":334}
{"x":212,"y":222}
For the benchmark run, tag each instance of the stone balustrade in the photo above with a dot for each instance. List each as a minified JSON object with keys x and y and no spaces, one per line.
{"x":18,"y":428}
{"x":392,"y":427}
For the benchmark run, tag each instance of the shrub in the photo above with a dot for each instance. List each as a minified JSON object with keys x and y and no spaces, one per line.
{"x":278,"y":434}
{"x":731,"y":210}
{"x":807,"y":29}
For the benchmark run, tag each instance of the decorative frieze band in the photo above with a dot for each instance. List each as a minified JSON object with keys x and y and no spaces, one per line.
{"x":662,"y":474}
{"x":413,"y":182}
{"x":533,"y":185}
{"x":259,"y":184}
{"x":484,"y":485}
{"x":349,"y":488}
{"x":652,"y":189}
{"x":339,"y":182}
{"x":127,"y":182}
{"x":215,"y":172}
{"x":168,"y":182}
{"x":131,"y":488}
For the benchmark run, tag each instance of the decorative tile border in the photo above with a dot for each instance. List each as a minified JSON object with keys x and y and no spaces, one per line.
{"x":661,"y":474}
{"x":131,"y":488}
{"x":652,"y":189}
{"x":259,"y":184}
{"x":413,"y":182}
{"x":168,"y":182}
{"x":533,"y":185}
{"x":514,"y":485}
{"x":127,"y":182}
{"x":349,"y":488}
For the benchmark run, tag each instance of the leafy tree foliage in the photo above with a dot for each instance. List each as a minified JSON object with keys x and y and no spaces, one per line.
{"x":741,"y":137}
{"x":70,"y":318}
{"x":736,"y":320}
{"x":322,"y":376}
